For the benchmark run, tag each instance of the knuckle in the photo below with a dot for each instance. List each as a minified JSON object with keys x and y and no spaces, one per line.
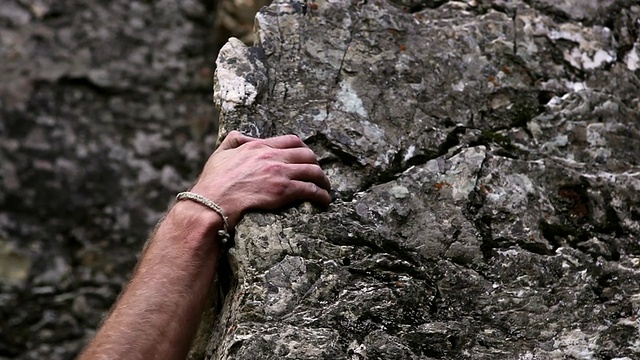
{"x":293,"y":139}
{"x":254,"y":144}
{"x":316,"y":173}
{"x":317,"y":170}
{"x":266,"y":154}
{"x":232,"y":137}
{"x":274,"y":168}
{"x":310,"y":154}
{"x":279,"y":188}
{"x":312,"y":188}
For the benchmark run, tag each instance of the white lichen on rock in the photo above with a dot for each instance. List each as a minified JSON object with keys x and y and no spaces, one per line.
{"x":239,"y":78}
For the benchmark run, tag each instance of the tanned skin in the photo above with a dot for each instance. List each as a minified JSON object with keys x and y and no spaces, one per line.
{"x":157,"y":315}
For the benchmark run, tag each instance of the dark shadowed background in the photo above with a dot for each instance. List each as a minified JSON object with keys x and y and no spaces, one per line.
{"x":105,"y":113}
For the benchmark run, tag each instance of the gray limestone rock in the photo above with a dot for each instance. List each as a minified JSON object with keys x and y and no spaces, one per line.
{"x":483,"y":155}
{"x":484,"y":160}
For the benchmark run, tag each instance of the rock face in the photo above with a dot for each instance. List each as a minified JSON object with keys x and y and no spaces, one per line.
{"x":484,"y":156}
{"x":105,"y":113}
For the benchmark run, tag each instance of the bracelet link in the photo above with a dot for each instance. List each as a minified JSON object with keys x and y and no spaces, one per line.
{"x":223,"y":233}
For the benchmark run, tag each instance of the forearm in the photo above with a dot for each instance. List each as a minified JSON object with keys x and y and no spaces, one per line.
{"x":158,"y":313}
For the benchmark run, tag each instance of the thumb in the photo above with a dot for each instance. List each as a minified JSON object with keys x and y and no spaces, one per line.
{"x":234,"y":139}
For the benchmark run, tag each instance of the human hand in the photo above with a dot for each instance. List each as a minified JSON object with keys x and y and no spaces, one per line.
{"x":246,"y":173}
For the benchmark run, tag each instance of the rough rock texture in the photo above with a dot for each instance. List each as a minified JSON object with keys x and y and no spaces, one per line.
{"x":105,"y":113}
{"x":484,"y":156}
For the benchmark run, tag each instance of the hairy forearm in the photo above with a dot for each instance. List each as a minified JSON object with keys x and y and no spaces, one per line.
{"x":158,"y":313}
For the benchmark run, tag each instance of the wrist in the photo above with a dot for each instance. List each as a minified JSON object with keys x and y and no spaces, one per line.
{"x":232,"y":208}
{"x":196,"y":225}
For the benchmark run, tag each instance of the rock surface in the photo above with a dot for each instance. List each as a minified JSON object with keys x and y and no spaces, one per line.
{"x":105,"y":113}
{"x":484,"y":156}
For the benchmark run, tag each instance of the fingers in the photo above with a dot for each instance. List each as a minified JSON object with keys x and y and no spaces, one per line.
{"x":308,"y":191}
{"x":284,"y":142}
{"x":235,"y":139}
{"x":309,"y":173}
{"x":302,"y":155}
{"x":272,"y":172}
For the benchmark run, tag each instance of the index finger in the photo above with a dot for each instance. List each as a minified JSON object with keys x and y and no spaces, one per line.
{"x":284,"y":142}
{"x":234,"y":139}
